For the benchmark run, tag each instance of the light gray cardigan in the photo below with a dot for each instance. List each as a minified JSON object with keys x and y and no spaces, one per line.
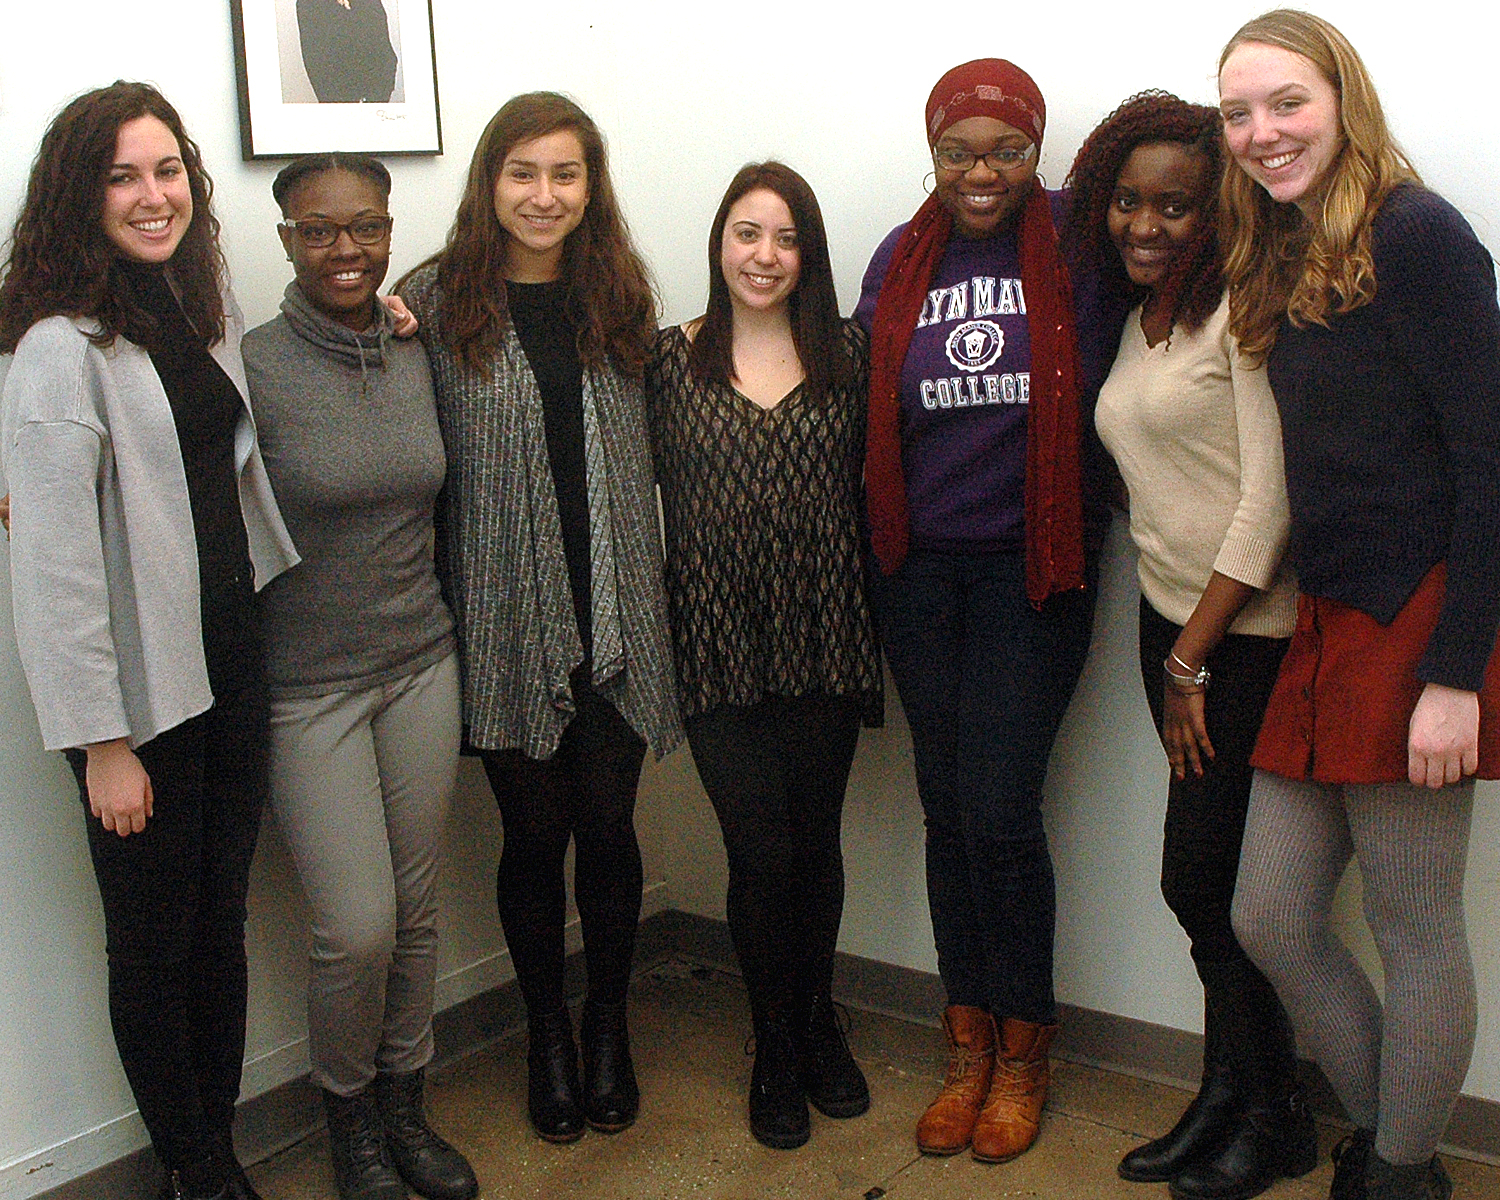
{"x":501,"y":552}
{"x":104,"y":566}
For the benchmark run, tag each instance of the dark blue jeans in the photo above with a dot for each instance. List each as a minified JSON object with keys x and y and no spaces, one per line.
{"x":985,"y":679}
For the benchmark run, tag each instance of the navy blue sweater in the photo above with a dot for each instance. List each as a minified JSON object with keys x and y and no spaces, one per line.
{"x":1391,"y":419}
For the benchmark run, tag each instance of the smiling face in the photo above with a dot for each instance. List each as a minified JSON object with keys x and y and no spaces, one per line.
{"x":759,"y":254}
{"x":148,"y":201}
{"x":1281,"y":122}
{"x":983,"y":201}
{"x":540,"y":197}
{"x":1157,"y":208}
{"x":341,"y":280}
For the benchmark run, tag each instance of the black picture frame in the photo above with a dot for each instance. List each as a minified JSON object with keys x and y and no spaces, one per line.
{"x":348,"y":82}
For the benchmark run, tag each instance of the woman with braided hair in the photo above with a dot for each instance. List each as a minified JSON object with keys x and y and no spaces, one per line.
{"x":1193,"y":428}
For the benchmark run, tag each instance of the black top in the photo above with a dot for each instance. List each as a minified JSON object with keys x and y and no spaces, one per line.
{"x":549,"y":336}
{"x":206,"y":408}
{"x":764,"y":571}
{"x":1391,"y":421}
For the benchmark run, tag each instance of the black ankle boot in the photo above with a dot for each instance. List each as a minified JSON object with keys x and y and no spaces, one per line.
{"x":356,"y":1142}
{"x":428,"y":1164}
{"x":826,"y":1070}
{"x":1418,"y":1181}
{"x":1351,"y":1160}
{"x":611,"y":1097}
{"x":1204,"y":1126}
{"x":1203,"y":1129}
{"x":1269,"y":1142}
{"x":552,"y":1078}
{"x":778,"y":1105}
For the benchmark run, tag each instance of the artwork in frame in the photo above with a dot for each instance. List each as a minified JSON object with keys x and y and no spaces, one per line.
{"x":355,"y":75}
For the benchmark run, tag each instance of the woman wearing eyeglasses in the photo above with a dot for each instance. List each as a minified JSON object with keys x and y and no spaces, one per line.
{"x":976,"y":512}
{"x":362,"y":669}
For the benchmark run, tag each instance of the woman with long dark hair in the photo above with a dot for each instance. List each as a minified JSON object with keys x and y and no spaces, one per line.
{"x":757,"y":417}
{"x":1373,"y":304}
{"x":538,"y":316}
{"x":142,"y":523}
{"x":362,"y":670}
{"x":983,"y":357}
{"x":1192,"y":427}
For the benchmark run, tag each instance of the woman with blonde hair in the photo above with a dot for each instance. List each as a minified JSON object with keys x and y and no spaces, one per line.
{"x":538,"y":316}
{"x":1374,"y":305}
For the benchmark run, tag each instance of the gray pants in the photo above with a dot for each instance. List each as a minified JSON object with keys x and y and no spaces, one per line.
{"x":1398,"y":1066}
{"x":360,"y":782}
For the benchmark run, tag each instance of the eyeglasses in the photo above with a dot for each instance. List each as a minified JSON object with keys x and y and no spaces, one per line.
{"x":1005,"y":159}
{"x":319,"y":235}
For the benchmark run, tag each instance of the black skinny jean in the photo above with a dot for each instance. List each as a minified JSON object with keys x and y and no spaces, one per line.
{"x":586,"y":791}
{"x":776,"y":772}
{"x":174,"y":922}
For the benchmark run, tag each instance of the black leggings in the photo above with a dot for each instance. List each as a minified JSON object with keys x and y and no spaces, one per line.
{"x":174,"y":923}
{"x":586,"y":792}
{"x":776,"y":772}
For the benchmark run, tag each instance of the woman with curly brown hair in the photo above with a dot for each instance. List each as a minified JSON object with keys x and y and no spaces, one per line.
{"x":143,"y":522}
{"x":538,"y":316}
{"x":1373,"y":303}
{"x":1192,"y":426}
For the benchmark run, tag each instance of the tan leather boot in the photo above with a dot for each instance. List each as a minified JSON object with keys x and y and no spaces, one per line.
{"x":949,"y":1120}
{"x":1008,"y":1122}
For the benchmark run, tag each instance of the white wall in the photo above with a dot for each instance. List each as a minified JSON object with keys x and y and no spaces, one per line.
{"x":686,"y":93}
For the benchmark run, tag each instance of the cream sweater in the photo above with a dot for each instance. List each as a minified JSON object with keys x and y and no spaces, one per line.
{"x":1195,"y":432}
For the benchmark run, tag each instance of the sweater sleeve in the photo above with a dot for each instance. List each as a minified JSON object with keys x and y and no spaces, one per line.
{"x":58,"y":583}
{"x":1257,"y":535}
{"x":1438,"y":281}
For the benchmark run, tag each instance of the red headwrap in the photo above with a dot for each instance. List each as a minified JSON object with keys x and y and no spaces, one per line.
{"x":1054,"y":503}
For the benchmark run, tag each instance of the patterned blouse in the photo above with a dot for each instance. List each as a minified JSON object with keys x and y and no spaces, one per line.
{"x":764,"y":570}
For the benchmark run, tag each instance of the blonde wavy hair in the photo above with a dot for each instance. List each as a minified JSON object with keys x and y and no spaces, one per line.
{"x":1276,"y":262}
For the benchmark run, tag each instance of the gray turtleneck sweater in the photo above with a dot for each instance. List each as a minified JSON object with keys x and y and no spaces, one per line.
{"x":349,"y":432}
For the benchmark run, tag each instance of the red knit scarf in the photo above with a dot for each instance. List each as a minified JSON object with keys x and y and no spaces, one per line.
{"x":1054,"y":502}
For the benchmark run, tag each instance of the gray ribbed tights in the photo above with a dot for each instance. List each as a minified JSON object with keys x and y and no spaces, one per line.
{"x":1397,"y":1069}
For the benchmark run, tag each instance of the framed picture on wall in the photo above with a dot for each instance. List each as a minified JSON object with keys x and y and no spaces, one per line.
{"x":355,"y":75}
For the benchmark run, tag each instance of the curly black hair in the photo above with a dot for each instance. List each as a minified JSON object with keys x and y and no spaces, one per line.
{"x":1196,"y":283}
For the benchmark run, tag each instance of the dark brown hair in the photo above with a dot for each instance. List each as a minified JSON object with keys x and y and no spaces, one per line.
{"x":1196,"y":285}
{"x":608,"y":287}
{"x":813,"y":306}
{"x":61,"y":262}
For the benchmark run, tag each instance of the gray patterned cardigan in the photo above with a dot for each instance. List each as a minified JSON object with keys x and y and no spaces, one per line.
{"x":501,"y":556}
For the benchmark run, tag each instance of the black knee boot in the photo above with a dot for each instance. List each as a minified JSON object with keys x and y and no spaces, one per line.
{"x":1204,"y":1126}
{"x":552,"y":1091}
{"x":1274,"y":1136}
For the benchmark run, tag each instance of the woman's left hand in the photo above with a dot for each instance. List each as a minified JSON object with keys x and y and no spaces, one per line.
{"x":1184,"y":733}
{"x":1443,"y":737}
{"x":406,"y":322}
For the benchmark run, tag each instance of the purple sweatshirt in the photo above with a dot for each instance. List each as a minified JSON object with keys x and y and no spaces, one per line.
{"x":965,"y":386}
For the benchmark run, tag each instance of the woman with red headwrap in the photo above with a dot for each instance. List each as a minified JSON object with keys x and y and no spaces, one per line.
{"x":976,"y":499}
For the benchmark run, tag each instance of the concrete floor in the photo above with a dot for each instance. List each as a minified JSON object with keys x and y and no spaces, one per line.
{"x":689,"y":1026}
